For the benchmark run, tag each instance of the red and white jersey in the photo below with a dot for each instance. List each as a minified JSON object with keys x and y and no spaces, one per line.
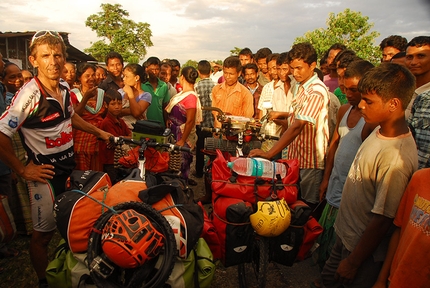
{"x":44,"y":126}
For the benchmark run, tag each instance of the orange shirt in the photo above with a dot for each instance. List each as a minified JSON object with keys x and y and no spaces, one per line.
{"x":237,"y":101}
{"x":410,"y":266}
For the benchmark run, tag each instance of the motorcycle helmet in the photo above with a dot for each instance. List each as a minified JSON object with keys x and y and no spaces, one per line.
{"x":272,"y":218}
{"x":129,"y":239}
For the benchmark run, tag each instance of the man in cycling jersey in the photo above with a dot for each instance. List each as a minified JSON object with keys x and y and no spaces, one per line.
{"x":42,"y":113}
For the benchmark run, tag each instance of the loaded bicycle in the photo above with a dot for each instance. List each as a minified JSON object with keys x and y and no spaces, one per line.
{"x":132,"y":240}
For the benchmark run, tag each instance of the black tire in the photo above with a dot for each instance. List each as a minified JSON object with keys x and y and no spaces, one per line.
{"x":258,"y":265}
{"x":147,"y":275}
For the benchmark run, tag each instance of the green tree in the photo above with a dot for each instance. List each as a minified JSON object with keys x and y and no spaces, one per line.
{"x":235,"y":51}
{"x":124,"y":36}
{"x":191,"y":63}
{"x":349,"y":28}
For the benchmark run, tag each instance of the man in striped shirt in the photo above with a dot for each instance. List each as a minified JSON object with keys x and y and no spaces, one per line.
{"x":307,"y":133}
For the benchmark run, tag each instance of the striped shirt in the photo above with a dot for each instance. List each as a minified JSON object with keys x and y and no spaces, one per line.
{"x":310,"y":104}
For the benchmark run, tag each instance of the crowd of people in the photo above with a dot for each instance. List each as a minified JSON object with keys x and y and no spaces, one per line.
{"x":359,"y":131}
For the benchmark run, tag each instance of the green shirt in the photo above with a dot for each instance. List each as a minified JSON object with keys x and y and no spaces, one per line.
{"x":160,"y":96}
{"x":340,"y":96}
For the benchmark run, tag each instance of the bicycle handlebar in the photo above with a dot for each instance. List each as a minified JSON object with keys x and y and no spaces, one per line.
{"x":149,"y":143}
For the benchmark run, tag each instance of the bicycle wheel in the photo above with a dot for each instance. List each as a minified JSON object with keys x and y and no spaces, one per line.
{"x":148,"y":276}
{"x":258,"y":265}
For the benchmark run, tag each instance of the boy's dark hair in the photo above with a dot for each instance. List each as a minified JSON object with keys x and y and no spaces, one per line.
{"x":401,"y":54}
{"x":419,"y":41}
{"x":174,"y":63}
{"x":388,"y":81}
{"x":190,"y":74}
{"x":336,"y":46}
{"x":246,"y":51}
{"x":204,"y":67}
{"x":323,"y":59}
{"x":395,"y":41}
{"x":320,"y":74}
{"x":137,"y":70}
{"x":101,"y":67}
{"x":251,"y":66}
{"x":82,"y":67}
{"x":344,"y":58}
{"x":282,"y":59}
{"x":271,"y":57}
{"x":262,"y":53}
{"x":152,"y":61}
{"x":113,"y":55}
{"x":232,"y":62}
{"x":111,"y":94}
{"x":357,"y":69}
{"x":304,"y":51}
{"x":165,"y":65}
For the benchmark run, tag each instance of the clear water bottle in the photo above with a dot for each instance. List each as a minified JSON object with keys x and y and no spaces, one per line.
{"x":257,"y":167}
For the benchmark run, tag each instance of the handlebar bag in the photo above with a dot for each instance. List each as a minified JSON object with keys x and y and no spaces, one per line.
{"x":148,"y":127}
{"x":156,"y":161}
{"x":252,"y":189}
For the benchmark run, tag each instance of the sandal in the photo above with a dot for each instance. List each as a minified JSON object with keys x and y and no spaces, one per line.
{"x":6,"y":252}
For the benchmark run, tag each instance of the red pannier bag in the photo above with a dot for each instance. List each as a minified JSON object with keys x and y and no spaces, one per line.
{"x":231,"y":219}
{"x":210,"y":234}
{"x":252,"y":189}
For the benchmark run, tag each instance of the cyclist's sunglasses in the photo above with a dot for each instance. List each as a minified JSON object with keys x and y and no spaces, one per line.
{"x":42,"y":33}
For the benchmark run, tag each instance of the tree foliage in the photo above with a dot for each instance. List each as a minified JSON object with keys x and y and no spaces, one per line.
{"x":124,"y":36}
{"x":191,"y":63}
{"x":349,"y":28}
{"x":235,"y":51}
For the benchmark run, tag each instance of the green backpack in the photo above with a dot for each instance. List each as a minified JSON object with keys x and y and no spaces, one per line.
{"x":68,"y":269}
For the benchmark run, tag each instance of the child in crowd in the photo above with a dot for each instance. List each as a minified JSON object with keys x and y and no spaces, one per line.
{"x":409,"y":248}
{"x":378,"y":176}
{"x":116,"y":126}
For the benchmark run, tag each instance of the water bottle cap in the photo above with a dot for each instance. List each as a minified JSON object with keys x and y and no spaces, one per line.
{"x":230,"y":165}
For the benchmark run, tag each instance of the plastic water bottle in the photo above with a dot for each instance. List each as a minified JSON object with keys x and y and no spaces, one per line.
{"x":257,"y":167}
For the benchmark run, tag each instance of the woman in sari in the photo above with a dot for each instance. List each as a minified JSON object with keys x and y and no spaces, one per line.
{"x":185,"y":112}
{"x":88,"y":103}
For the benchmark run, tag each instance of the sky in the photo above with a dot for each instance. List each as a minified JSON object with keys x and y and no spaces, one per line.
{"x":207,"y":29}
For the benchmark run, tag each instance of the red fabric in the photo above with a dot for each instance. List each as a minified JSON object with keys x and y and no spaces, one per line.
{"x":156,"y":161}
{"x":312,"y":230}
{"x":235,"y":233}
{"x":116,"y":127}
{"x":243,"y":188}
{"x":210,"y":235}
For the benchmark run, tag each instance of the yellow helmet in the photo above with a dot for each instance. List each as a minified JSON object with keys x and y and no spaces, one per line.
{"x":272,"y":218}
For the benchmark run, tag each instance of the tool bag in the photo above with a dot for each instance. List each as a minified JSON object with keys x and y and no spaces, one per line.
{"x":251,"y":189}
{"x":231,"y":219}
{"x":295,"y":242}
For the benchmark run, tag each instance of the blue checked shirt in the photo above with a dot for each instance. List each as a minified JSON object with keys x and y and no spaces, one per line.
{"x":204,"y":91}
{"x":419,"y":122}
